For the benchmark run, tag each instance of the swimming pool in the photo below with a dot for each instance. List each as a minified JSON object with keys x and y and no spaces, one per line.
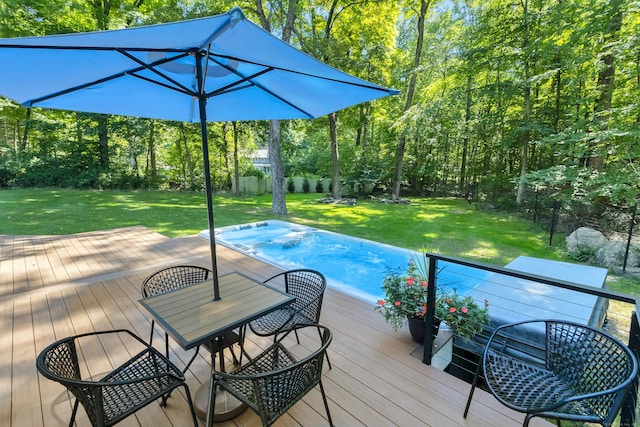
{"x":353,"y":265}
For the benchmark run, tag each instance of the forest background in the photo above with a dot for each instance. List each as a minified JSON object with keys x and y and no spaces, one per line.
{"x":502,"y":101}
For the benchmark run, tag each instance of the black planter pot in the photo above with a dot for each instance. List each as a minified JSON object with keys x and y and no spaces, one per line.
{"x":416,"y":327}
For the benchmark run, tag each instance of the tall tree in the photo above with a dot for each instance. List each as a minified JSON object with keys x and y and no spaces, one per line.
{"x":606,"y":77}
{"x":526,"y":120}
{"x":278,"y":200}
{"x":402,"y":141}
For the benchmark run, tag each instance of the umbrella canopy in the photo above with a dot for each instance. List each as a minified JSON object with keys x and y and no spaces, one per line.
{"x":220,"y":68}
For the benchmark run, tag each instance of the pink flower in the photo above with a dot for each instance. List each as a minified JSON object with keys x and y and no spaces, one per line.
{"x":464,"y":310}
{"x":410,"y":281}
{"x":452,"y":310}
{"x":397,"y":303}
{"x":425,"y":284}
{"x":381,"y":302}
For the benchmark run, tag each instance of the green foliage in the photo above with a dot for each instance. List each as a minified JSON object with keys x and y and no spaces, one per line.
{"x":254,"y":172}
{"x":291,"y":187}
{"x":306,"y":188}
{"x":319,"y":186}
{"x":469,"y":121}
{"x":463,"y":314}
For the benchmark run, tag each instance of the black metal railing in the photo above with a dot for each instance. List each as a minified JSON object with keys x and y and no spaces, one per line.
{"x":466,"y":353}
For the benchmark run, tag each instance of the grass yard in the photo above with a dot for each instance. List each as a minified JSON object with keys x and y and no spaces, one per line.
{"x":450,"y":226}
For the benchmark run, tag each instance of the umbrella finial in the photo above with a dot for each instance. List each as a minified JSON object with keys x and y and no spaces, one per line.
{"x":236,"y":15}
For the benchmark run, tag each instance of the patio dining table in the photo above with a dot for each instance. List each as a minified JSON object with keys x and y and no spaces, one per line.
{"x":192,"y":317}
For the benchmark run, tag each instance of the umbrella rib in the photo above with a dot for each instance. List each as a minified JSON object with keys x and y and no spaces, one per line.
{"x":235,"y":86}
{"x":273,"y":67}
{"x":35,"y":101}
{"x":151,"y":67}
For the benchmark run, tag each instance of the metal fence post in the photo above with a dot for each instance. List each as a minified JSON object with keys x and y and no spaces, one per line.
{"x":626,"y":252}
{"x":431,"y":308}
{"x":628,"y":411}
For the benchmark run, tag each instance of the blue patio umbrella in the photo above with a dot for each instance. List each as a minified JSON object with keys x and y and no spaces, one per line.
{"x":219,"y":68}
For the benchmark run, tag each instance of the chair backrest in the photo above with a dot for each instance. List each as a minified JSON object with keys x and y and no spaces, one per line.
{"x":595,"y":369}
{"x":137,"y":382}
{"x":171,"y":278}
{"x":308,"y":287}
{"x":59,"y":362}
{"x":591,"y":361}
{"x":279,"y":389}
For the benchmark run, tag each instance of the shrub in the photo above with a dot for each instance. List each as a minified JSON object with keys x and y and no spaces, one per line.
{"x":291,"y":186}
{"x":319,"y":186}
{"x":306,"y":188}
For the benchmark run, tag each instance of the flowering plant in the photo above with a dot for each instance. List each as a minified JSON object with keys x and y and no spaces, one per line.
{"x":406,"y":294}
{"x":463,"y":314}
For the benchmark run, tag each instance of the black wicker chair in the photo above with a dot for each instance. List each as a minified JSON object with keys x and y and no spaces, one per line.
{"x":176,"y":277}
{"x":134,"y":384}
{"x":275,"y":380}
{"x":558,"y":370}
{"x":308,"y":287}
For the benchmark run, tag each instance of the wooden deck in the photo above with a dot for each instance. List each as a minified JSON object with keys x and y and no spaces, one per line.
{"x":56,"y":286}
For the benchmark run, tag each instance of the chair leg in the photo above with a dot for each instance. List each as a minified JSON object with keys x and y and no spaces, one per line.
{"x":166,"y":344}
{"x":153,"y":323}
{"x":243,"y":332}
{"x":528,"y":418}
{"x":326,"y":354}
{"x":474,"y":383}
{"x":188,"y":365}
{"x":73,"y":413}
{"x":326,"y":405}
{"x":236,"y":362}
{"x":184,"y":371}
{"x":191,"y":408}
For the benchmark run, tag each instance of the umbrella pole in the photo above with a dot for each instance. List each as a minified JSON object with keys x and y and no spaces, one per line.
{"x":212,"y":238}
{"x":202,"y":104}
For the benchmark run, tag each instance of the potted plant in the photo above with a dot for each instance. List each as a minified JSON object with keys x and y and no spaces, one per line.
{"x":463,"y":315}
{"x":406,"y":299}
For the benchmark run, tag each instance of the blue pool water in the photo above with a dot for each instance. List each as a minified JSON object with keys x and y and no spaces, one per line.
{"x":355,"y":266}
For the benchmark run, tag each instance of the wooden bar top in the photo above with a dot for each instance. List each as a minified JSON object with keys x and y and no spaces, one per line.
{"x":192,"y":317}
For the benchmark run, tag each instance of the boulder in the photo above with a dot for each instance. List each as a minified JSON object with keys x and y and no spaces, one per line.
{"x":611,"y":255}
{"x":585,"y":240}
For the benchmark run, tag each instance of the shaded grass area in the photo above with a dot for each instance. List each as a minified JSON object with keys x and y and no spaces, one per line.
{"x":449,"y":226}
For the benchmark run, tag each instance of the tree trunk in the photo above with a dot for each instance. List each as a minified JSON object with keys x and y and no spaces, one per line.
{"x":557,"y":82}
{"x":153,"y":167}
{"x":225,"y":151}
{"x":278,"y":203}
{"x":182,"y":157}
{"x":526,"y":136}
{"x":236,"y":168}
{"x":465,"y":140}
{"x":335,"y":157}
{"x":25,"y":135}
{"x":103,"y":142}
{"x":402,"y":140}
{"x":187,"y":157}
{"x":606,"y":79}
{"x":278,"y":199}
{"x":102,"y":9}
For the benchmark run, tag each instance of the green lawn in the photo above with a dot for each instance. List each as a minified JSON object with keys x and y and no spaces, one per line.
{"x":450,"y":226}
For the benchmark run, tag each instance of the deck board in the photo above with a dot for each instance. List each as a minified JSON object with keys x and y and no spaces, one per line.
{"x":56,"y":286}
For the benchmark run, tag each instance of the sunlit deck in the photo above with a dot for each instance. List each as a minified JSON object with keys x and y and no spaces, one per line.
{"x":55,"y":286}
